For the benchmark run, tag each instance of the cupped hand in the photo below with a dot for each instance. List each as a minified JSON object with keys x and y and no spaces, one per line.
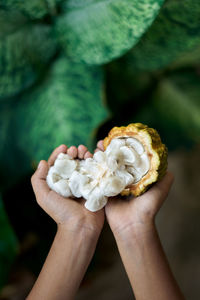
{"x":66,"y":212}
{"x":136,"y":213}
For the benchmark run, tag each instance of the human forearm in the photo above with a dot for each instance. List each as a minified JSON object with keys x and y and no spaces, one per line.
{"x":146,"y":264}
{"x":65,"y":265}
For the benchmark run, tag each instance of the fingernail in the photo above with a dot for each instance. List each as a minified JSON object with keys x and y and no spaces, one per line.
{"x":39,"y":165}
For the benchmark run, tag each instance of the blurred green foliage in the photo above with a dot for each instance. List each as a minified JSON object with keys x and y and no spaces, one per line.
{"x":96,"y":32}
{"x":72,"y":69}
{"x":8,"y":244}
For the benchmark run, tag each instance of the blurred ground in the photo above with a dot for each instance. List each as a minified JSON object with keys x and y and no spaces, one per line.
{"x":178,"y":224}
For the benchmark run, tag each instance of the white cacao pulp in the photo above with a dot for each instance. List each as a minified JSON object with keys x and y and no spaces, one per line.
{"x":108,"y":173}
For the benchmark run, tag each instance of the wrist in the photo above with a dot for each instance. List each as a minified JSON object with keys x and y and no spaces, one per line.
{"x":136,"y":240}
{"x":134,"y":230}
{"x":89,"y":235}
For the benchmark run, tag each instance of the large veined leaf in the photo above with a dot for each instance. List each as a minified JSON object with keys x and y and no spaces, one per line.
{"x":96,"y":31}
{"x":34,"y":9}
{"x":23,"y":54}
{"x":175,"y":32}
{"x":177,"y":108}
{"x":8,"y":245}
{"x":65,"y":108}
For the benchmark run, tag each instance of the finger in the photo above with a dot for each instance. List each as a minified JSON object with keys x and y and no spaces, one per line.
{"x":164,"y":185}
{"x":87,"y":155}
{"x":72,"y":151}
{"x":81,"y":151}
{"x":100,"y":145}
{"x":38,"y":181}
{"x":53,"y":156}
{"x":161,"y":189}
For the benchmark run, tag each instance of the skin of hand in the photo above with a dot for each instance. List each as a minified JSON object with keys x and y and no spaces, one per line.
{"x":136,"y":212}
{"x":65,"y":211}
{"x":77,"y":234}
{"x":133,"y":226}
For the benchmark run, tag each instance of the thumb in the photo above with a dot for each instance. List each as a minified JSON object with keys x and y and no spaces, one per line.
{"x":38,"y":181}
{"x":162,"y":187}
{"x":158,"y":193}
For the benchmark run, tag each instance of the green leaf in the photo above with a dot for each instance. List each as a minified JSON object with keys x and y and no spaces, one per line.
{"x":23,"y":55}
{"x":96,"y":31}
{"x":65,"y":108}
{"x":177,"y":108}
{"x":8,"y":245}
{"x":11,"y":159}
{"x":170,"y":104}
{"x":127,"y":89}
{"x":10,"y":22}
{"x":34,"y":9}
{"x":5,"y":119}
{"x":189,"y":59}
{"x":175,"y":32}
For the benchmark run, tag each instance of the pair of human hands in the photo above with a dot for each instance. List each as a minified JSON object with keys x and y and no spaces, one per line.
{"x":133,"y":213}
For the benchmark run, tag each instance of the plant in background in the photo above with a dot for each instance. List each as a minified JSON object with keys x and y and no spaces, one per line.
{"x":68,"y":66}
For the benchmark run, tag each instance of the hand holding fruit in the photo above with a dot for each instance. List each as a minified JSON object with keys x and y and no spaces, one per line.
{"x":136,"y":213}
{"x":65,"y":211}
